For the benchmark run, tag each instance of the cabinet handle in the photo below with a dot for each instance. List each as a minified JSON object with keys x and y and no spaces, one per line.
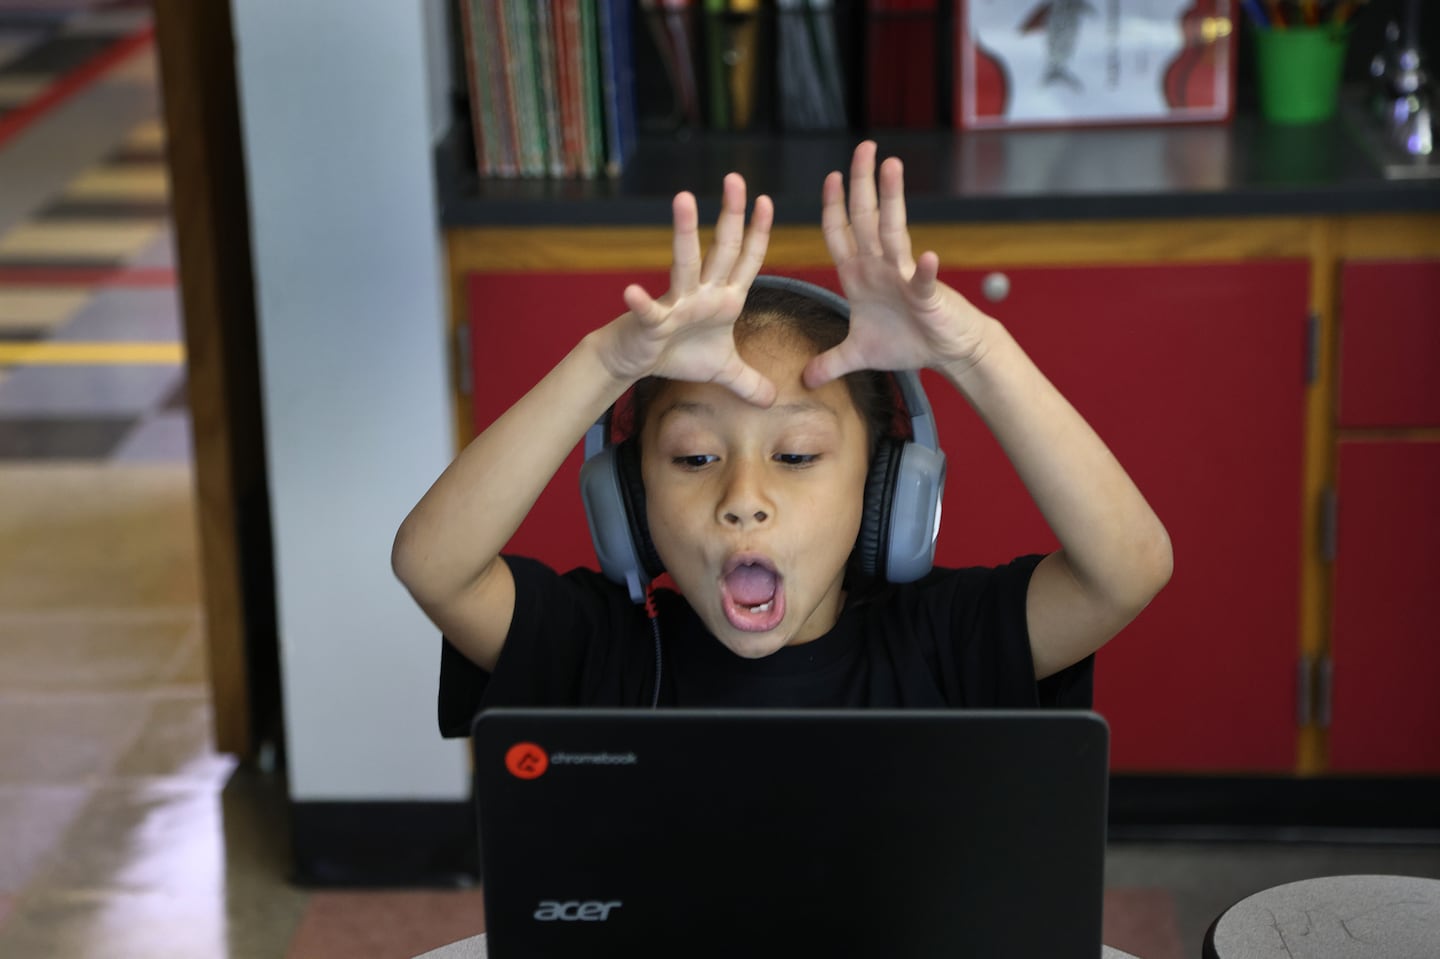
{"x":1327,"y":686}
{"x":995,"y":287}
{"x":1304,"y":698}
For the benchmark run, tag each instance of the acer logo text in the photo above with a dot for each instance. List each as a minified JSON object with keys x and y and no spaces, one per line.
{"x":575,"y":911}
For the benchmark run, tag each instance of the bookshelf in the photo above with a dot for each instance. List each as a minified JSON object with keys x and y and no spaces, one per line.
{"x":1245,"y":168}
{"x":1218,"y":211}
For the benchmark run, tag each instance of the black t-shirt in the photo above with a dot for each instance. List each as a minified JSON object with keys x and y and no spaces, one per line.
{"x":956,"y":638}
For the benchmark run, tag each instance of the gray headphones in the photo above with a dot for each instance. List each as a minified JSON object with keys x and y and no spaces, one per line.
{"x":902,"y":491}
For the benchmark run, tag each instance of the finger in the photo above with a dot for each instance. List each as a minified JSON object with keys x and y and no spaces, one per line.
{"x":834,"y":222}
{"x":831,"y":365}
{"x":927,"y":272}
{"x":864,"y":210}
{"x":894,"y":234}
{"x":746,"y":382}
{"x":640,"y":303}
{"x":757,"y":242}
{"x":685,"y":249}
{"x":729,"y":230}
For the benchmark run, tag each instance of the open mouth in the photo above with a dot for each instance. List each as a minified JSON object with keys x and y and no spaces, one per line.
{"x":752,"y":594}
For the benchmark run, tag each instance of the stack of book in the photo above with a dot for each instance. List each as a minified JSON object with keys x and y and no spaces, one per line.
{"x":551,"y":86}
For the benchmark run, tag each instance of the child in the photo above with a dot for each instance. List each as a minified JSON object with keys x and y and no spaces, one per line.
{"x":755,"y":431}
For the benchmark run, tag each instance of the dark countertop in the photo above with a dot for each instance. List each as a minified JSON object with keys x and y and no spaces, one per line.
{"x":1247,"y":168}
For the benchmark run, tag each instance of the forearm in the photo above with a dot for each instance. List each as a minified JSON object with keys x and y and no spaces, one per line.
{"x":1116,"y":547}
{"x":458,"y":528}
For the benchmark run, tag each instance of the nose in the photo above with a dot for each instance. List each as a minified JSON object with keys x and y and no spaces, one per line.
{"x":744,"y":501}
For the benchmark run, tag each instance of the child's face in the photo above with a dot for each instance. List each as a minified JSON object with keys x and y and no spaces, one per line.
{"x":755,"y":511}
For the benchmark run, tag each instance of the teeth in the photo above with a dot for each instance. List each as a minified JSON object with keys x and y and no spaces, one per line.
{"x":763,"y":607}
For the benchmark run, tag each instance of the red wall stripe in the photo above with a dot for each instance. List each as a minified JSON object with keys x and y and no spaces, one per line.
{"x":12,"y":123}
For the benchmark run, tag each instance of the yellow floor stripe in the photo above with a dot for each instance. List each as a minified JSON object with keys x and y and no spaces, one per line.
{"x":50,"y":353}
{"x":144,"y":183}
{"x":17,"y":90}
{"x":28,"y":307}
{"x":148,"y":135}
{"x":79,"y":239}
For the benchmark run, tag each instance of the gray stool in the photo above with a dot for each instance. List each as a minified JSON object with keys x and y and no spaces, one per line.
{"x":1333,"y":917}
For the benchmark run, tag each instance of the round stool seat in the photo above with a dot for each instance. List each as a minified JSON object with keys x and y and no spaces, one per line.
{"x":1333,"y":917}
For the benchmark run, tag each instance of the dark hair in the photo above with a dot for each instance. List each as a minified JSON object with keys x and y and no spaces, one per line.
{"x":792,"y":314}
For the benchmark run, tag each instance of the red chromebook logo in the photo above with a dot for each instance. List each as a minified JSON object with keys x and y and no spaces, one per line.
{"x":526,"y":761}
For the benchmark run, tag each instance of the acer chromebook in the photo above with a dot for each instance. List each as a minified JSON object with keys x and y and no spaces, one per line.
{"x":686,"y":833}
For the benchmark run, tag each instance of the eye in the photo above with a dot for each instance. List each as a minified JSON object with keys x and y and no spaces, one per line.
{"x":695,"y":462}
{"x":796,"y":459}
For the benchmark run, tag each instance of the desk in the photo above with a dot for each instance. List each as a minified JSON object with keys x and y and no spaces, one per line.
{"x":474,"y":948}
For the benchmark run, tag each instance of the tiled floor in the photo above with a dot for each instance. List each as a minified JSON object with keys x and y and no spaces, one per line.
{"x":122,"y":833}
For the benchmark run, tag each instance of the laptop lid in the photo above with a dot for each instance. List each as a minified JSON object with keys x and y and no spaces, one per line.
{"x":703,"y":833}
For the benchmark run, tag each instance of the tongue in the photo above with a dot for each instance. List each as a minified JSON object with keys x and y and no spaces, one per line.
{"x":751,"y":585}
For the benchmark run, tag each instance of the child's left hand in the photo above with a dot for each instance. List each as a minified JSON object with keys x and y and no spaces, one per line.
{"x":901,"y":316}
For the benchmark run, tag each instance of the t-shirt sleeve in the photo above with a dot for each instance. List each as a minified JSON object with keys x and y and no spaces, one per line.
{"x":554,"y":654}
{"x":985,"y":660}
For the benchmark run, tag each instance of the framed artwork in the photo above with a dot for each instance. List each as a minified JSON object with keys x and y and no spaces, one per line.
{"x":1045,"y":63}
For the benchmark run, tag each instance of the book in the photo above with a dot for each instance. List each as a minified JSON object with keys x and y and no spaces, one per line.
{"x":519,"y":24}
{"x":669,"y":88}
{"x":498,"y":62}
{"x":812,"y":90}
{"x":618,"y":82}
{"x":593,"y":158}
{"x":902,"y":83}
{"x":549,"y":86}
{"x":482,"y":108}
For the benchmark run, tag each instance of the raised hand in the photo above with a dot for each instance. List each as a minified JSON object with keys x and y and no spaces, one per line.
{"x":688,"y":334}
{"x":901,"y":316}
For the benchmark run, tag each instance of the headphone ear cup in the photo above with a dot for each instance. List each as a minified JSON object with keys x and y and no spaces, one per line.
{"x":632,"y":488}
{"x":605,"y":514}
{"x":917,"y":487}
{"x":872,"y":546}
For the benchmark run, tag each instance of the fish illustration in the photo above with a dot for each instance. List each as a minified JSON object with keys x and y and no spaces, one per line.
{"x":1060,"y":19}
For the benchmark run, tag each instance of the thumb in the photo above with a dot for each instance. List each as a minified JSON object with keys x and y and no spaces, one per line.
{"x":746,"y":382}
{"x":831,"y":365}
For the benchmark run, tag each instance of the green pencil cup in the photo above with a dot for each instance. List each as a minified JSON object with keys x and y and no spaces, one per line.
{"x":1299,"y":69}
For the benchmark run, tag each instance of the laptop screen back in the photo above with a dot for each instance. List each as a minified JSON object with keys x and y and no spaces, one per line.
{"x":782,"y":833}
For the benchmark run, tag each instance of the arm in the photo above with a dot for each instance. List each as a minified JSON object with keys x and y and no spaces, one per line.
{"x":447,"y":551}
{"x":1114,"y":553}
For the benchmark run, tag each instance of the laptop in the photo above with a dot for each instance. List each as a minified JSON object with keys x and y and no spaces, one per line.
{"x":769,"y":833}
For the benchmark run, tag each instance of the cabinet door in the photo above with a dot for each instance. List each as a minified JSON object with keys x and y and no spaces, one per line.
{"x":1194,"y":377}
{"x":1385,"y":715}
{"x":1390,"y":344}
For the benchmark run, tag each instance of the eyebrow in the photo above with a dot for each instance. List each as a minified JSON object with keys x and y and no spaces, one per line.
{"x":787,"y":409}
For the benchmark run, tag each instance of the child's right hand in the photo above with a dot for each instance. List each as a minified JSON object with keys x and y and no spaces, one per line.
{"x":688,"y":334}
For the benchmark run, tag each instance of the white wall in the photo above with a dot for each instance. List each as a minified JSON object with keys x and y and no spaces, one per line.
{"x":336,"y":106}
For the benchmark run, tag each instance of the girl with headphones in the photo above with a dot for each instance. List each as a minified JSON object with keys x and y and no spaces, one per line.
{"x":790,"y":492}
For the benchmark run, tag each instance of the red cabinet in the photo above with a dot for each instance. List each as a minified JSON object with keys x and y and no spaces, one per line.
{"x":521,"y":325}
{"x":1385,"y":643}
{"x":1194,"y":374}
{"x":1390,"y":344}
